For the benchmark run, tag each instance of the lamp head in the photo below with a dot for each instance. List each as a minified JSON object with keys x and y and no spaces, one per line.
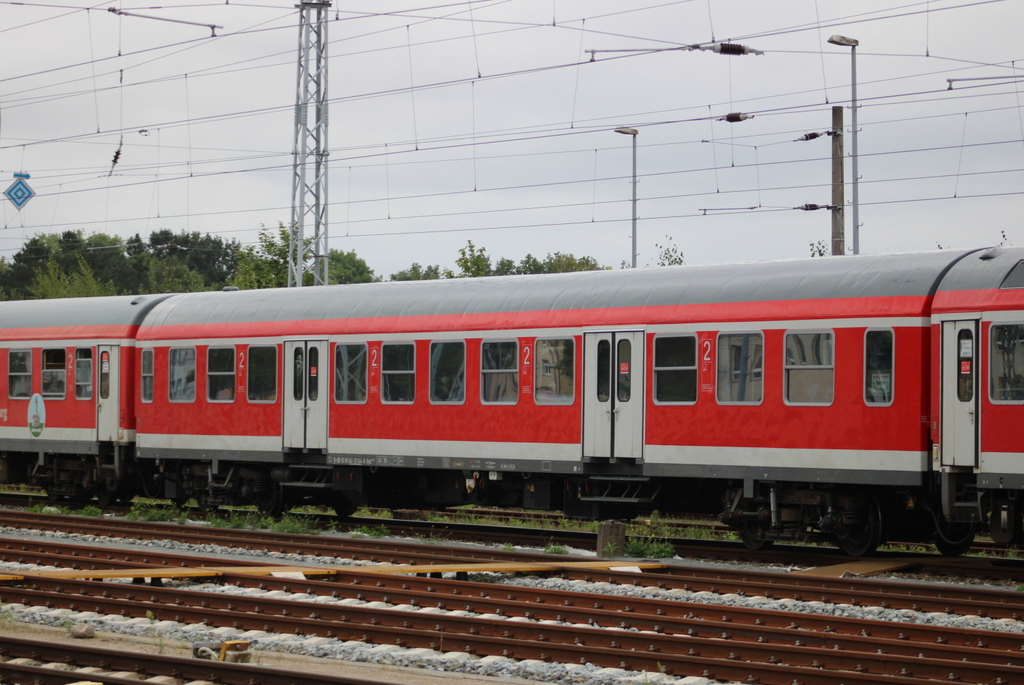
{"x":843,"y":40}
{"x":627,"y":131}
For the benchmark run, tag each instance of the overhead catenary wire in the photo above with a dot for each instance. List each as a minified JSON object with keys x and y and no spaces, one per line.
{"x":393,"y":149}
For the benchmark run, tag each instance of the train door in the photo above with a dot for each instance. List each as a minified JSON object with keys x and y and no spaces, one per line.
{"x":108,"y":394}
{"x":613,"y":395}
{"x":305,"y":394}
{"x":961,"y":357}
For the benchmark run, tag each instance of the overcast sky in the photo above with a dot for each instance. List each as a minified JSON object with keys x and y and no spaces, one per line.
{"x":489,"y":121}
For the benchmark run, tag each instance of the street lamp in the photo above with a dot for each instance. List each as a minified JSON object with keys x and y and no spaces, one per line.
{"x":852,"y":43}
{"x":625,"y":130}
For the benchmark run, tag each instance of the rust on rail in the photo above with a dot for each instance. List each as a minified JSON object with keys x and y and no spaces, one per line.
{"x":215,"y":571}
{"x":858,"y":568}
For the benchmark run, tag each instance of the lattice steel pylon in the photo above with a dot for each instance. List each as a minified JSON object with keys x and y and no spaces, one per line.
{"x":309,"y":155}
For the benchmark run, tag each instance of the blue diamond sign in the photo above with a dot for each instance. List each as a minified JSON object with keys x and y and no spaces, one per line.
{"x":20,"y":193}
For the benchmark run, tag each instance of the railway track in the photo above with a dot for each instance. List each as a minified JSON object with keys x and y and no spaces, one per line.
{"x":1000,"y":569}
{"x":634,"y":633}
{"x":44,"y":662}
{"x":637,"y":633}
{"x":960,"y":599}
{"x":694,"y":536}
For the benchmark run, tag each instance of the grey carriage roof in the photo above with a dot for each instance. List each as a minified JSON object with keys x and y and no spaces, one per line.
{"x":982,"y":270}
{"x":57,"y":314}
{"x":863,"y":276}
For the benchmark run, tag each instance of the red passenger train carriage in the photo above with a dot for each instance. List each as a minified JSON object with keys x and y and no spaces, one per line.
{"x":67,"y":417}
{"x":853,"y":399}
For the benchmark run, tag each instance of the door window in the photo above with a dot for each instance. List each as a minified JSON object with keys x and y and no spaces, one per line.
{"x":624,"y":370}
{"x":604,"y":370}
{"x":313,"y":380}
{"x":147,"y":376}
{"x":965,"y":366}
{"x":299,"y":376}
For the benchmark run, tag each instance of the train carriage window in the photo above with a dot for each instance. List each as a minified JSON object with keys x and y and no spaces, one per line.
{"x":262,"y":382}
{"x":675,"y":369}
{"x":147,"y":375}
{"x":878,"y":367}
{"x":555,"y":372}
{"x":1014,"y":278}
{"x":83,"y":373}
{"x":350,"y":373}
{"x":104,"y":375}
{"x":447,"y":372}
{"x":740,"y":368}
{"x":624,"y":371}
{"x":220,"y":374}
{"x":499,"y":372}
{"x":810,"y":368}
{"x":398,"y":373}
{"x":312,"y":375}
{"x":19,"y":374}
{"x":604,"y":370}
{"x":298,"y":373}
{"x":1006,"y":363}
{"x":55,"y":373}
{"x":965,"y":366}
{"x":181,"y":374}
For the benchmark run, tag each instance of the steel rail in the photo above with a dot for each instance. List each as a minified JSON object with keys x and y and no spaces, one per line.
{"x":692,"y":620}
{"x":969,"y":600}
{"x":116,"y":660}
{"x":930,"y":597}
{"x":753,"y":661}
{"x":1006,"y":569}
{"x":608,"y":610}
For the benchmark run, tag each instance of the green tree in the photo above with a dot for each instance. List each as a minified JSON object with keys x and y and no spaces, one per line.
{"x":563,"y":262}
{"x":669,"y":254}
{"x":264,"y":265}
{"x":213,"y":258}
{"x":473,"y":262}
{"x":33,"y":256}
{"x":51,"y":281}
{"x":530,"y":265}
{"x":348,"y":267}
{"x":171,"y":275}
{"x":417,"y":273}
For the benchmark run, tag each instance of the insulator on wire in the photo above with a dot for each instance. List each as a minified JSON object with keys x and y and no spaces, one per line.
{"x":811,"y":208}
{"x":734,"y":49}
{"x":733,"y":117}
{"x":810,"y":136}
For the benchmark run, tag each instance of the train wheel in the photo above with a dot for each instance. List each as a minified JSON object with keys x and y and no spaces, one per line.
{"x":863,"y":538}
{"x":271,"y":503}
{"x":343,"y":506}
{"x":105,"y":497}
{"x":954,"y":539}
{"x":753,"y":538}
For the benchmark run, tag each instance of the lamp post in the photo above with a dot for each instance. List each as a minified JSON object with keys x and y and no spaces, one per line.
{"x":852,"y":43}
{"x":625,"y":130}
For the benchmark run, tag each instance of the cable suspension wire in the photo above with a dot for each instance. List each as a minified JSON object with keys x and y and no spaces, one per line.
{"x":395,"y":147}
